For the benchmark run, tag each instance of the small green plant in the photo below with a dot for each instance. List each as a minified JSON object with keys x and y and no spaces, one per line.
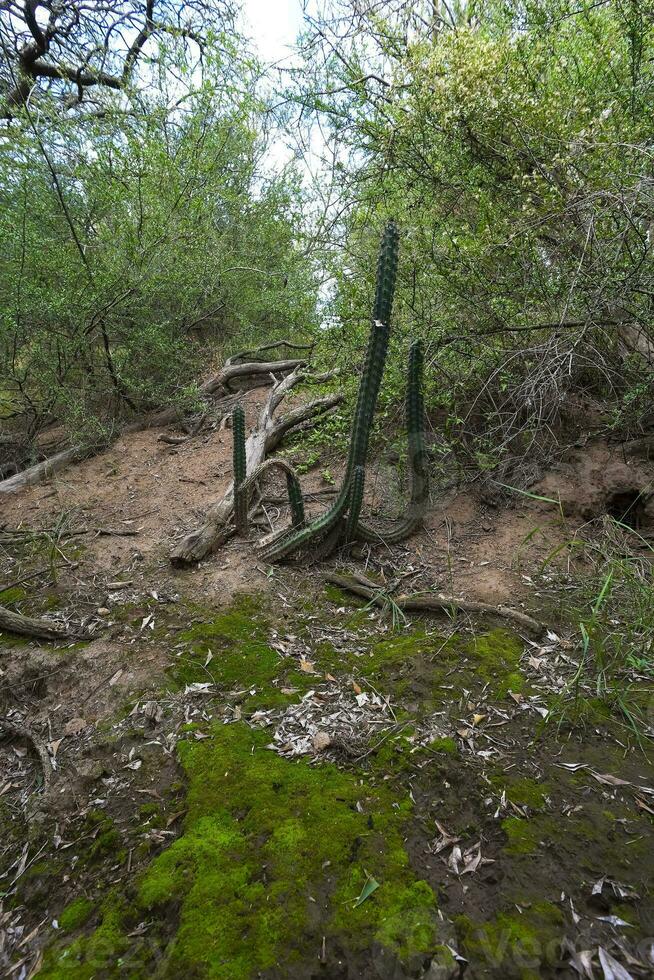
{"x":612,"y":605}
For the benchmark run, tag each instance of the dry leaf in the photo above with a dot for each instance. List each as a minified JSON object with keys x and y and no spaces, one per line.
{"x":454,"y":859}
{"x":612,"y":969}
{"x":473,"y":862}
{"x":609,"y":780}
{"x":307,"y":666}
{"x":357,"y":689}
{"x":116,"y":677}
{"x":615,"y":920}
{"x":74,"y":726}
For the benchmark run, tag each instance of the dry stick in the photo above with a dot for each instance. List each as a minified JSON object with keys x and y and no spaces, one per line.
{"x":42,"y":629}
{"x":433,"y":602}
{"x":39,"y":571}
{"x":22,"y":731}
{"x":266,"y":436}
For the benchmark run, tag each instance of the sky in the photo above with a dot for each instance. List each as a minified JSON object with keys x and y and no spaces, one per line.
{"x":273,"y":25}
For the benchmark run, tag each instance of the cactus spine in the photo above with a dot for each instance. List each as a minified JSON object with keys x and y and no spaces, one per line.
{"x":239,"y":461}
{"x":365,"y":409}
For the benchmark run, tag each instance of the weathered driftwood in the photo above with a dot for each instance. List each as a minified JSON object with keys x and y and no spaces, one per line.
{"x":247,"y":374}
{"x":263,"y":440}
{"x":432,"y":602}
{"x":42,"y":629}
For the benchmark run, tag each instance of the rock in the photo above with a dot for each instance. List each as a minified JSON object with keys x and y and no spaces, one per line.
{"x":321,"y":741}
{"x":90,"y":770}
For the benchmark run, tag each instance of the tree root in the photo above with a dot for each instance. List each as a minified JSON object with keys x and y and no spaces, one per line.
{"x":417,"y":602}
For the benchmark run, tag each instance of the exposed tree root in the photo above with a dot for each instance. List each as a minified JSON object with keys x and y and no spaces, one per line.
{"x":436,"y":602}
{"x":42,"y":629}
{"x":262,"y":441}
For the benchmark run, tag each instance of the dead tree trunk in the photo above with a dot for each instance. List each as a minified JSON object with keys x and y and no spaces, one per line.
{"x":264,"y":439}
{"x":42,"y":629}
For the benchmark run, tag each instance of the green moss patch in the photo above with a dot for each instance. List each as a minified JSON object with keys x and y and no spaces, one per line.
{"x":76,"y":914}
{"x":524,"y":792}
{"x":274,"y":855}
{"x":516,"y":943}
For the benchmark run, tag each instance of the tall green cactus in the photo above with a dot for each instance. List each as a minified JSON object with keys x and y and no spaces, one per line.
{"x":240,"y":466}
{"x":417,"y":462}
{"x":366,"y":403}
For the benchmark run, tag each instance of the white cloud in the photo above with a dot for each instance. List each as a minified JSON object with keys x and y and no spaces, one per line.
{"x":273,"y":25}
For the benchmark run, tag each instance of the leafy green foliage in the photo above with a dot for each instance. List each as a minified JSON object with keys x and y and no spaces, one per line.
{"x":510,"y":140}
{"x":131,"y":243}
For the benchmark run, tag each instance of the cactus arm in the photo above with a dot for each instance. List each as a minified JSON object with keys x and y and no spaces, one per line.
{"x":240,"y":493}
{"x":418,"y":471}
{"x":293,"y":487}
{"x":295,"y":499}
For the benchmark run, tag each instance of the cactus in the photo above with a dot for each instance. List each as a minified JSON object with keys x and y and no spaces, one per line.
{"x":293,"y":487}
{"x":418,"y":473}
{"x":365,"y":408}
{"x":241,"y":494}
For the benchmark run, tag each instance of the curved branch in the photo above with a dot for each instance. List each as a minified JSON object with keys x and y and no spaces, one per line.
{"x":432,"y":602}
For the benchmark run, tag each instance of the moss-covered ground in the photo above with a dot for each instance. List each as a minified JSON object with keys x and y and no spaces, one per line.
{"x":286,"y":868}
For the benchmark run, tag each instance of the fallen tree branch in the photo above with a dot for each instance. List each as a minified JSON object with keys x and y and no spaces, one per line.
{"x":253,"y":355}
{"x":41,"y":471}
{"x":432,"y":602}
{"x":263,"y":440}
{"x":42,"y":629}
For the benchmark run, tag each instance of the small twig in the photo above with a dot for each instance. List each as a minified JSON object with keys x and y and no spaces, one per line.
{"x":39,"y":571}
{"x":117,"y":532}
